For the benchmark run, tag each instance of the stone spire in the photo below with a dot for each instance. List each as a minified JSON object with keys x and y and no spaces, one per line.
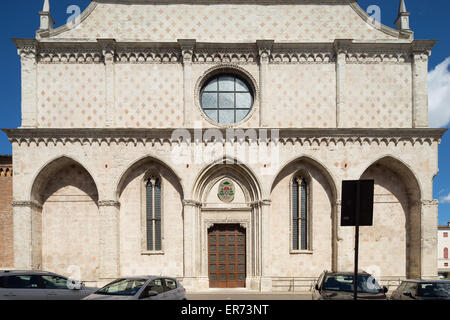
{"x":47,"y":21}
{"x":402,"y":22}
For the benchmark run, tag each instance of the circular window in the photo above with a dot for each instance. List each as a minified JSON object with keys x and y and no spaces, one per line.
{"x":226,"y":99}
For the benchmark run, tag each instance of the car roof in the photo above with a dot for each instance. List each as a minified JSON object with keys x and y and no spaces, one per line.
{"x":426,"y":281}
{"x":146,"y":277}
{"x":25,"y":272}
{"x":346,"y":273}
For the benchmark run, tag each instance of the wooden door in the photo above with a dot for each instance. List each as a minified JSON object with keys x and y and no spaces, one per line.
{"x":226,"y":256}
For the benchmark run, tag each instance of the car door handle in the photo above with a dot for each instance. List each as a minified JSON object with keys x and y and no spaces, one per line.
{"x":10,"y":295}
{"x":52,"y":294}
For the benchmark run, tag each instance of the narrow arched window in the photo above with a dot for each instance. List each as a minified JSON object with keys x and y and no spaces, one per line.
{"x":445,"y":253}
{"x":300,"y":214}
{"x":153,"y":213}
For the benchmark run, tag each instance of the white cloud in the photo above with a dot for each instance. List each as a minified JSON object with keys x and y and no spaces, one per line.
{"x":439,"y":96}
{"x":445,"y":199}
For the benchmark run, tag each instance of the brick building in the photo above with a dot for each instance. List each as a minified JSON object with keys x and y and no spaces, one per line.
{"x":443,"y":250}
{"x":6,"y":213}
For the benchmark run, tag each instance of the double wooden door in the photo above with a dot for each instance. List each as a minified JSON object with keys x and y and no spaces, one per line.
{"x":226,"y":256}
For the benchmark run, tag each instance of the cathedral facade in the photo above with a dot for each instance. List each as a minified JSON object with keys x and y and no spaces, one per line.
{"x":208,"y":140}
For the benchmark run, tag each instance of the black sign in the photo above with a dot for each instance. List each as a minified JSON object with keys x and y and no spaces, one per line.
{"x":357,"y":198}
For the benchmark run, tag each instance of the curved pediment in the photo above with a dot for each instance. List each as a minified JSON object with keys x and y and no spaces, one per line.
{"x":225,"y":21}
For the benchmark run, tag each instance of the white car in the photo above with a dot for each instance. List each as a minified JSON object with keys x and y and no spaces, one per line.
{"x":141,"y":288}
{"x":40,"y":285}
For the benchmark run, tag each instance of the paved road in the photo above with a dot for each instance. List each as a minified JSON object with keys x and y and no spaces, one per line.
{"x":236,"y":295}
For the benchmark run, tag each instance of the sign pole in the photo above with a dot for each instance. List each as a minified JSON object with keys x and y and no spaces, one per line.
{"x":357,"y":209}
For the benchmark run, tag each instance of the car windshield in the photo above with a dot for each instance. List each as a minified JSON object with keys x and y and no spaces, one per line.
{"x":123,"y":287}
{"x":441,"y":290}
{"x":366,"y":283}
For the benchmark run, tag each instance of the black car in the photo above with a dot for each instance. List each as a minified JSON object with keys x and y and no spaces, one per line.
{"x":422,"y":290}
{"x":339,"y":286}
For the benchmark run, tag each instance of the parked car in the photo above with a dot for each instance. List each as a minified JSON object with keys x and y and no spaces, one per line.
{"x":40,"y":285}
{"x":339,"y":286}
{"x":141,"y":288}
{"x":422,"y":290}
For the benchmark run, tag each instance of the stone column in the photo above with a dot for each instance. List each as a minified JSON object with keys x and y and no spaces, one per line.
{"x":27,"y":235}
{"x":109,"y":211}
{"x":265,"y":250}
{"x":264,"y":51}
{"x":429,"y":223}
{"x":191,"y":256}
{"x":187,"y":54}
{"x":27,"y":50}
{"x":108,"y":51}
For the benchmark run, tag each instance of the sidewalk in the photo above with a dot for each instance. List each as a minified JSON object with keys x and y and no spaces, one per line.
{"x":245,"y":294}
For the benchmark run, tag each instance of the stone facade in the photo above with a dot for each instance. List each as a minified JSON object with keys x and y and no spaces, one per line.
{"x":6,"y":213}
{"x":101,"y":103}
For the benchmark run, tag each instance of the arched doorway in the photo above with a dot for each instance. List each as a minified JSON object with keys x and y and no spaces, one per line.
{"x":228,"y":224}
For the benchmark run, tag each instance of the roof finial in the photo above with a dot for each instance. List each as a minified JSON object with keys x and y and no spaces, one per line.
{"x":402,"y":22}
{"x":46,"y":18}
{"x":46,"y":6}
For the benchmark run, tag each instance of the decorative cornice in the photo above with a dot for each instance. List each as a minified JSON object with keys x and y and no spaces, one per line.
{"x":28,"y":204}
{"x":261,"y":203}
{"x":302,"y":137}
{"x":221,"y":55}
{"x":109,"y":203}
{"x":190,"y":51}
{"x":192,"y":203}
{"x":427,"y":203}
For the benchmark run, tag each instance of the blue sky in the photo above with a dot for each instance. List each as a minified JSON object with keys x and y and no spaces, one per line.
{"x":429,"y":20}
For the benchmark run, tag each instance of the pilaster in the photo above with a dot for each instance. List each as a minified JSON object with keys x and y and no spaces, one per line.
{"x":429,"y":223}
{"x":191,"y":264}
{"x":340,"y":47}
{"x":264,"y":52}
{"x":27,"y":235}
{"x":187,"y":54}
{"x":109,"y":239}
{"x":109,"y":51}
{"x":420,"y":57}
{"x":27,"y":50}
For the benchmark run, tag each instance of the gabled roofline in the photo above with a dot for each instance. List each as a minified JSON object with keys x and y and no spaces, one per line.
{"x":400,"y":34}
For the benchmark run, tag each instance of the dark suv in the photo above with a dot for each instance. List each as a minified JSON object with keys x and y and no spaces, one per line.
{"x":422,"y":290}
{"x":339,"y":286}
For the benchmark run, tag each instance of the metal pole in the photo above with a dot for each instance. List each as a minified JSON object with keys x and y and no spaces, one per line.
{"x":357,"y":208}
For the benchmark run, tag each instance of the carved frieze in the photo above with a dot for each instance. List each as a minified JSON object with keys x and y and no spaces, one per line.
{"x":306,"y":138}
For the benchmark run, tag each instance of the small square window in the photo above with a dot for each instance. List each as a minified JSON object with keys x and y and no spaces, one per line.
{"x":445,"y":264}
{"x":445,"y":234}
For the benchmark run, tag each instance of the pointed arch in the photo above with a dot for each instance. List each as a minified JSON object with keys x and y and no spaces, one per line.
{"x":315,"y":163}
{"x":49,"y":169}
{"x":121,"y":182}
{"x":406,"y":173}
{"x":231,"y":167}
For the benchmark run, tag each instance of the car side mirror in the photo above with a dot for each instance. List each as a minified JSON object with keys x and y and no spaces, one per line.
{"x":149,"y":293}
{"x":317,"y":287}
{"x":407,"y":293}
{"x":385,"y":289}
{"x":75,"y":285}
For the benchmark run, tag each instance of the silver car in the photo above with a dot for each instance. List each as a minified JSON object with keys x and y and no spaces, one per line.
{"x":40,"y":285}
{"x":141,"y":288}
